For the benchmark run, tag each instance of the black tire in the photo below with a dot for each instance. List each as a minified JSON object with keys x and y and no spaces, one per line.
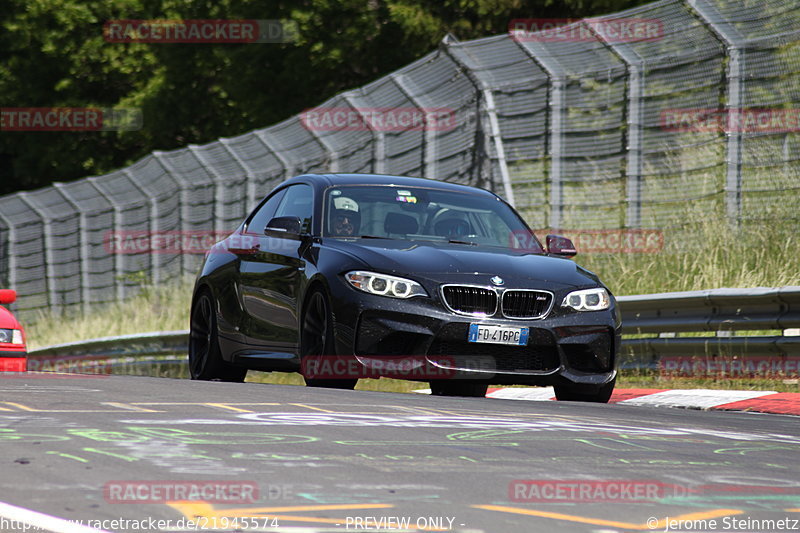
{"x":316,"y":339}
{"x":571,"y":394}
{"x":459,"y":388}
{"x":205,"y":358}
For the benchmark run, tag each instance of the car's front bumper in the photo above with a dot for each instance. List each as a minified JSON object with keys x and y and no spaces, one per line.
{"x":13,"y":359}
{"x":564,"y":348}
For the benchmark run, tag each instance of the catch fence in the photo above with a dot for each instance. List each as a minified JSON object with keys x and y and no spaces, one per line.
{"x":579,"y":128}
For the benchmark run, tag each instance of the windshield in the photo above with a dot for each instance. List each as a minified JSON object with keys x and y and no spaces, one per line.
{"x":423,"y":214}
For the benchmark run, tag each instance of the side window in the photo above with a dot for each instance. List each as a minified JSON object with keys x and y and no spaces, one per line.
{"x":298,"y":202}
{"x":265,"y":213}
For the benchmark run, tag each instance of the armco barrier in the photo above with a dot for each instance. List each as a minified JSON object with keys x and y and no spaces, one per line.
{"x":143,"y":348}
{"x":723,"y":311}
{"x":155,"y":343}
{"x":718,"y":310}
{"x":759,"y":308}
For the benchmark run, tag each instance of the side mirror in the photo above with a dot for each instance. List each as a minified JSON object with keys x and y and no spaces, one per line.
{"x":558,"y":245}
{"x":289,"y":225}
{"x":8,"y":296}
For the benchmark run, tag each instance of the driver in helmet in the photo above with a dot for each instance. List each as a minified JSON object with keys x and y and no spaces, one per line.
{"x":345,"y":219}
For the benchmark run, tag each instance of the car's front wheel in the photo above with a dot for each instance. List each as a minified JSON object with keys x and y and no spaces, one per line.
{"x":458,"y":388}
{"x":205,"y":358}
{"x":596,"y":395}
{"x":316,"y":344}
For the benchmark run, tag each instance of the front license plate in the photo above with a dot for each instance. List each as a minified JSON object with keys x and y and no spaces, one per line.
{"x":498,"y":334}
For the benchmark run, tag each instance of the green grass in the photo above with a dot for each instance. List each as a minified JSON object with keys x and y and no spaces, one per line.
{"x":702,"y":253}
{"x":705,"y":254}
{"x":162,"y":308}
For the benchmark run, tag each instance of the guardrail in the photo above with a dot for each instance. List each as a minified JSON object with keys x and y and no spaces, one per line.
{"x":723,"y":311}
{"x":718,"y":310}
{"x":143,"y":348}
{"x":711,"y":310}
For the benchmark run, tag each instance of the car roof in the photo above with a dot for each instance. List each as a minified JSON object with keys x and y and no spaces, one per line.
{"x":385,"y":179}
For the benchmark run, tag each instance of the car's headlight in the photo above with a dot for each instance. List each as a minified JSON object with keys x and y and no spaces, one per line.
{"x":384,"y":285}
{"x":12,"y":336}
{"x":588,"y":300}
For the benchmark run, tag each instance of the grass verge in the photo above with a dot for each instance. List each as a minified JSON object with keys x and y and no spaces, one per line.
{"x":161,"y":308}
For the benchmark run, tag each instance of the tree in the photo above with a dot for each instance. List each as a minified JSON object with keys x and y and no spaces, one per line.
{"x":53,"y":54}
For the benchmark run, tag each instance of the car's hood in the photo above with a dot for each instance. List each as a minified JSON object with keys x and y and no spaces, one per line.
{"x":7,"y":320}
{"x":443,"y":262}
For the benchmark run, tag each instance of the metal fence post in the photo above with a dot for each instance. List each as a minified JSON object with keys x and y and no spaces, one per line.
{"x":378,"y":137}
{"x":557,"y":103}
{"x":83,"y":239}
{"x":288,"y":166}
{"x":183,"y":201}
{"x":251,"y":179}
{"x":118,"y":271}
{"x":49,"y":260}
{"x":485,"y":92}
{"x":11,"y":254}
{"x":633,"y":187}
{"x":334,"y":155}
{"x":218,"y":196}
{"x":733,"y":176}
{"x":155,"y":260}
{"x":428,"y":144}
{"x":636,"y":79}
{"x":734,"y":43}
{"x":494,"y":128}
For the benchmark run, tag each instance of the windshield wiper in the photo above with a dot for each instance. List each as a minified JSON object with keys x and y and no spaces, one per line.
{"x":454,"y":241}
{"x":371,"y":237}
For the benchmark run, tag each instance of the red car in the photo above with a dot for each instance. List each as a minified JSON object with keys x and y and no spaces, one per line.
{"x":13,"y":354}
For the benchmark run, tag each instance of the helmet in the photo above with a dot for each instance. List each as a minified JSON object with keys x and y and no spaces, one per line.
{"x":345,"y":220}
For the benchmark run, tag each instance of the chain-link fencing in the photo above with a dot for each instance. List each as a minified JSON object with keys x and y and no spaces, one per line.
{"x":612,"y":122}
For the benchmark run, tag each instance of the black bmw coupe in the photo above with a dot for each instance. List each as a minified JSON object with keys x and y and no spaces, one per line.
{"x":347,"y":276}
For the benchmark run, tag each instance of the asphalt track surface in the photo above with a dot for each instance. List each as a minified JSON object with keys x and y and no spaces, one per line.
{"x":92,"y":447}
